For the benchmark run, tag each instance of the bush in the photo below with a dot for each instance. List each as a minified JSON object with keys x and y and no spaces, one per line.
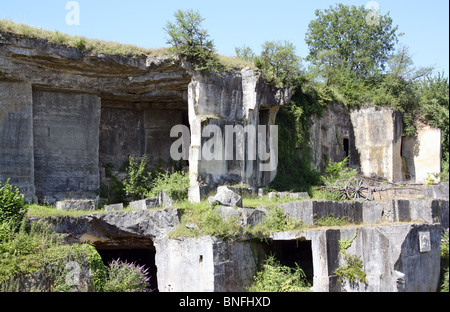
{"x":12,"y":206}
{"x":137,"y":184}
{"x":337,"y":171}
{"x":37,"y":249}
{"x":175,"y":184}
{"x":275,"y":277}
{"x":126,"y":277}
{"x":276,"y":221}
{"x":203,"y":219}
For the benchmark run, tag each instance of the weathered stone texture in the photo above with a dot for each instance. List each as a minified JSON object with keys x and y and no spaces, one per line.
{"x":422,"y":154}
{"x":235,"y":99}
{"x":439,"y":191}
{"x":206,"y":264}
{"x":332,"y":135}
{"x":378,"y":134}
{"x":370,"y":212}
{"x":66,"y":131}
{"x":16,"y":136}
{"x":120,"y":134}
{"x":392,"y":263}
{"x":111,"y":228}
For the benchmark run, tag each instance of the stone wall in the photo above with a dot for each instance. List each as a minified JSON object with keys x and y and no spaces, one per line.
{"x":16,"y":136}
{"x":332,"y":136}
{"x":206,"y":264}
{"x":422,"y":154}
{"x":51,"y":118}
{"x":157,"y":125}
{"x":378,"y":133}
{"x":235,"y":99}
{"x":66,"y":131}
{"x":395,"y":258}
{"x":398,"y":243}
{"x":120,"y":134}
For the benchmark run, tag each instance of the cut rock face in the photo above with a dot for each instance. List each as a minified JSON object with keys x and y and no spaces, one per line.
{"x":226,"y":197}
{"x":77,"y":205}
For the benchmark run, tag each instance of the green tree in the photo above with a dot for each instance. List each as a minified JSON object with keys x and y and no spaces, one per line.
{"x":341,"y":38}
{"x":245,"y":53}
{"x":278,"y":63}
{"x":190,"y":42}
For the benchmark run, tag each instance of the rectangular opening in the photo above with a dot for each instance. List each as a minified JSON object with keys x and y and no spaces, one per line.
{"x":292,"y":252}
{"x":142,"y":255}
{"x":346,"y":147}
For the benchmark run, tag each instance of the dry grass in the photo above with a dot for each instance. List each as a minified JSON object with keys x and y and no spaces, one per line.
{"x":95,"y":46}
{"x":83,"y":44}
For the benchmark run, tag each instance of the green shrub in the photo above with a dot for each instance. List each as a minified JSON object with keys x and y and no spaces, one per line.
{"x":275,"y":277}
{"x":12,"y":206}
{"x":35,"y":248}
{"x":138,"y":182}
{"x":175,"y":184}
{"x":337,"y":171}
{"x":276,"y":221}
{"x":352,"y":269}
{"x":142,"y":183}
{"x":200,"y":219}
{"x":126,"y":277}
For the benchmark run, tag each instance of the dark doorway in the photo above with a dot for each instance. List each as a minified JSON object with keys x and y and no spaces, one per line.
{"x":140,"y":255}
{"x":292,"y":252}
{"x":346,"y":147}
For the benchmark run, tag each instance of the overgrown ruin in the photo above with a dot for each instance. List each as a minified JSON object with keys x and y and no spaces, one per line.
{"x":66,"y":117}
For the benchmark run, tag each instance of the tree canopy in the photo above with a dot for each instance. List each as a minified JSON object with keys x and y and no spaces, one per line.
{"x":190,"y":41}
{"x":341,"y":37}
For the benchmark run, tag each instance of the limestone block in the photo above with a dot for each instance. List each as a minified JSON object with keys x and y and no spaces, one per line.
{"x":115,"y":207}
{"x":439,"y":191}
{"x":165,"y":201}
{"x":281,"y":195}
{"x":144,"y":204}
{"x":77,"y":205}
{"x":225,"y":196}
{"x":245,"y":216}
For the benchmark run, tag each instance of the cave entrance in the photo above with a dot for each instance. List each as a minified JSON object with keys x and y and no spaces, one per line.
{"x":142,"y":253}
{"x":292,"y":252}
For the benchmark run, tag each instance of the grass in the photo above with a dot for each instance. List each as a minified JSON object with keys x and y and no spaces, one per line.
{"x":255,"y":202}
{"x":198,"y":219}
{"x":95,"y":46}
{"x":82,"y":44}
{"x":42,"y":211}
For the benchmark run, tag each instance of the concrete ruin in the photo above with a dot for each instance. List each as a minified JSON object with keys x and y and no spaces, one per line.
{"x":398,"y":242}
{"x":65,"y":117}
{"x":374,"y":140}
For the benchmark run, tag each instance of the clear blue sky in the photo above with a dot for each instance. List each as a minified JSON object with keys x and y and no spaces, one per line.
{"x":234,"y":23}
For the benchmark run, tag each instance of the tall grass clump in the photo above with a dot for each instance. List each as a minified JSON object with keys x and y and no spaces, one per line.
{"x":275,"y":277}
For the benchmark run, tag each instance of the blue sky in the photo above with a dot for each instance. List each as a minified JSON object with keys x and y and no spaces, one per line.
{"x":234,"y":23}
